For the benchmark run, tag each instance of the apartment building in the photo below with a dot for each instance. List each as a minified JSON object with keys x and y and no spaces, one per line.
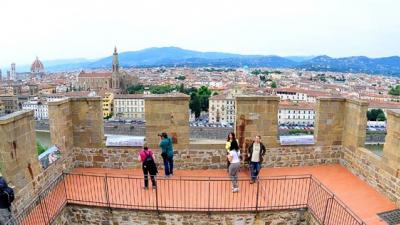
{"x":129,"y":106}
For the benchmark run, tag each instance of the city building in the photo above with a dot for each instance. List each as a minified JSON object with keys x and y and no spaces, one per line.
{"x":108,"y":98}
{"x":40,"y":108}
{"x":129,"y":106}
{"x":222,"y":108}
{"x":2,"y":108}
{"x":13,"y":73}
{"x":115,"y":80}
{"x":11,"y":103}
{"x":37,"y":69}
{"x":298,"y":113}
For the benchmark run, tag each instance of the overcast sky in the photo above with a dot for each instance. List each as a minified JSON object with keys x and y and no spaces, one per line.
{"x":60,"y":29}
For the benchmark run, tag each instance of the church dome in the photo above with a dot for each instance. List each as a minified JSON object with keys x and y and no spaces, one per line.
{"x":37,"y":66}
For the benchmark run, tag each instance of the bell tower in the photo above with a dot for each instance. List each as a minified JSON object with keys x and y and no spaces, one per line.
{"x":115,"y":77}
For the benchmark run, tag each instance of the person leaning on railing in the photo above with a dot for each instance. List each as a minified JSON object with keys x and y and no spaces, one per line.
{"x":256,"y":151}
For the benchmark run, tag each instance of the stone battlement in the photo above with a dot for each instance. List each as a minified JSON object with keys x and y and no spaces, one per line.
{"x":76,"y":127}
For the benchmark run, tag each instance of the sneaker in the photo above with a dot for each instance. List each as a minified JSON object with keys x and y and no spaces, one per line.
{"x":235,"y":190}
{"x":154,"y":187}
{"x":145,"y":188}
{"x":252,"y":182}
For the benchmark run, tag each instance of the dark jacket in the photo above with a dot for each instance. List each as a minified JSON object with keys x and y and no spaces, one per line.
{"x":3,"y":196}
{"x":262,"y":151}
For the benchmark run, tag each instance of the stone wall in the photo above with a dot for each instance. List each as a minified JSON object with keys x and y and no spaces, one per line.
{"x":329,"y":121}
{"x":76,"y":122}
{"x":167,"y":113}
{"x":370,"y":168}
{"x":257,"y":115}
{"x":355,"y":124}
{"x":382,"y":173}
{"x":77,"y":215}
{"x":196,"y":157}
{"x":290,"y":156}
{"x":18,"y":155}
{"x":207,"y":156}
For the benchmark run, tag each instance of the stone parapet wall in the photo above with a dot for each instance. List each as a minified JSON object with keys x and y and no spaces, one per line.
{"x":18,"y":155}
{"x":41,"y":181}
{"x":82,"y":215}
{"x":371,"y":168}
{"x":290,"y":156}
{"x":206,"y":156}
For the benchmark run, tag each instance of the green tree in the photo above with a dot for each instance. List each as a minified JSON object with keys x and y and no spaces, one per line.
{"x":381,"y":117}
{"x":136,"y":89}
{"x":204,"y":94}
{"x":395,"y":90}
{"x":376,"y":115}
{"x":194,"y":104}
{"x":180,"y":77}
{"x":40,"y":148}
{"x":181,"y":88}
{"x":273,"y":84}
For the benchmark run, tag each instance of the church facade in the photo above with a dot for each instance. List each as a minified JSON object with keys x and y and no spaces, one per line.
{"x":115,"y":80}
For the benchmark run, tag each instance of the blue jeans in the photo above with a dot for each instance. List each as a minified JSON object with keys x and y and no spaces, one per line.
{"x":168,"y":166}
{"x":255,"y":168}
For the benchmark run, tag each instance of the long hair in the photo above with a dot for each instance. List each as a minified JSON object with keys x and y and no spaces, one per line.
{"x":234,"y":145}
{"x":233,"y":136}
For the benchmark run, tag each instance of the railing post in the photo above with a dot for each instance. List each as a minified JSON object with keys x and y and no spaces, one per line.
{"x":106,"y":192}
{"x":64,"y":180}
{"x":158,"y":211}
{"x":209,"y":196}
{"x":326,"y":209}
{"x":258,"y":189}
{"x":45,"y":213}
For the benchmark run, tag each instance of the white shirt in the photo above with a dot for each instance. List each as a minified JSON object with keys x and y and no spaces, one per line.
{"x":255,"y":156}
{"x":235,"y":156}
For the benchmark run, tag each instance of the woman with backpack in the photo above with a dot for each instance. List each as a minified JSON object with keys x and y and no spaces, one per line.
{"x":146,"y":156}
{"x":234,"y":159}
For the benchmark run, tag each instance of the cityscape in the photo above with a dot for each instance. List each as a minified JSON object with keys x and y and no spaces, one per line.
{"x":214,"y":112}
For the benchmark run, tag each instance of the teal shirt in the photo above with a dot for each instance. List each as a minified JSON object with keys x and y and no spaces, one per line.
{"x":166,"y":146}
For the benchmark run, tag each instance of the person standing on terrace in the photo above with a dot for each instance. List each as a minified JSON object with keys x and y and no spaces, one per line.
{"x":6,"y":198}
{"x":234,"y":159}
{"x":167,"y":153}
{"x":256,"y":151}
{"x":146,"y":156}
{"x":230,"y":138}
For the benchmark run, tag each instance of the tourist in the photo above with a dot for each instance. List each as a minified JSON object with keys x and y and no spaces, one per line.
{"x":167,"y":153}
{"x":256,"y":151}
{"x":146,"y":156}
{"x":6,"y":198}
{"x":234,"y":159}
{"x":231,"y":136}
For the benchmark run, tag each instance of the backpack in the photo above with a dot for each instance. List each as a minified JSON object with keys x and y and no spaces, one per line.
{"x":148,"y":159}
{"x":7,"y":191}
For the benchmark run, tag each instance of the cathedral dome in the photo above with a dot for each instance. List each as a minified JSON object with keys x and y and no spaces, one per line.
{"x":37,"y":66}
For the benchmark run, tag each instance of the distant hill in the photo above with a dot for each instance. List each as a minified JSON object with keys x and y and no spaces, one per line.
{"x":173,"y":56}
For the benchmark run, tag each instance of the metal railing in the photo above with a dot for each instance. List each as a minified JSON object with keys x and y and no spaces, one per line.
{"x":189,"y":194}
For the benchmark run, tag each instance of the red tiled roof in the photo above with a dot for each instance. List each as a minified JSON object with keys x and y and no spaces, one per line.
{"x":384,"y":105}
{"x":95,"y":75}
{"x":295,"y":105}
{"x":129,"y":96}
